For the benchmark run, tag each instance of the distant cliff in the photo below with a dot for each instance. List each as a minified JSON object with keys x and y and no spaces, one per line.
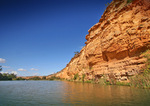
{"x":114,"y":45}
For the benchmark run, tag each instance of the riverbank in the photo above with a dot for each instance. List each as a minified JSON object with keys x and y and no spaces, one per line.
{"x":141,"y":80}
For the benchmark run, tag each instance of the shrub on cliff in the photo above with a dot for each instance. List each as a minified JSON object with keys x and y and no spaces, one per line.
{"x":143,"y":80}
{"x":140,"y":81}
{"x":76,"y":54}
{"x":107,"y":4}
{"x":83,"y":76}
{"x":76,"y":76}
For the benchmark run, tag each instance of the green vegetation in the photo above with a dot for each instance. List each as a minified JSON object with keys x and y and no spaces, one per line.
{"x":147,"y":56}
{"x":103,"y":81}
{"x":54,"y":78}
{"x":6,"y":76}
{"x":142,"y":80}
{"x":76,"y":54}
{"x":107,"y":4}
{"x":89,"y":81}
{"x":18,"y":78}
{"x":83,"y":76}
{"x":35,"y":78}
{"x":129,"y":1}
{"x":70,"y":80}
{"x":76,"y":76}
{"x":123,"y":83}
{"x":0,"y":68}
{"x":44,"y":78}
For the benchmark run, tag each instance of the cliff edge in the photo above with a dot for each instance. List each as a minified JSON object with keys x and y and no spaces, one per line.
{"x":114,"y":45}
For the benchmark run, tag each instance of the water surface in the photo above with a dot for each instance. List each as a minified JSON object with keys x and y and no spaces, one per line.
{"x":46,"y":93}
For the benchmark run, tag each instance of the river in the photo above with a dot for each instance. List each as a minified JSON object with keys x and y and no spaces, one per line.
{"x":62,"y":93}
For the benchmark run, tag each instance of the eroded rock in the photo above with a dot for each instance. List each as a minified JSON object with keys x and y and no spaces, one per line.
{"x":114,"y":45}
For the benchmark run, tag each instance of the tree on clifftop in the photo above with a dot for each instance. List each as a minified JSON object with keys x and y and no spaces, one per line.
{"x":76,"y":54}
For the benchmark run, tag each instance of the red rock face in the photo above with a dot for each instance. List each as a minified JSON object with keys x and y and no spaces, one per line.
{"x":114,"y":44}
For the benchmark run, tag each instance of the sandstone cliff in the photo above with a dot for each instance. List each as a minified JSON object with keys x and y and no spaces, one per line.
{"x":114,"y":45}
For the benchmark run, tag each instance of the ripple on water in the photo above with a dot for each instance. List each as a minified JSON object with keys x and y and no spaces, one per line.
{"x":26,"y":93}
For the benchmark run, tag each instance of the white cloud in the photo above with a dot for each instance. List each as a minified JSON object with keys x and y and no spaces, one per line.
{"x":33,"y":69}
{"x":5,"y":66}
{"x":4,"y":72}
{"x":2,"y":60}
{"x":12,"y":72}
{"x":21,"y":69}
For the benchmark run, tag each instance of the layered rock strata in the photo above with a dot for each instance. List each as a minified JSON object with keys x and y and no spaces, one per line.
{"x":114,"y":45}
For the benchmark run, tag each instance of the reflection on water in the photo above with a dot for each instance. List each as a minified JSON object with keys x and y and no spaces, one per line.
{"x":78,"y":93}
{"x":45,"y":93}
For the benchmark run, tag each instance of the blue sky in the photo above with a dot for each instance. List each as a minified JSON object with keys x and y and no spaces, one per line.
{"x":39,"y":37}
